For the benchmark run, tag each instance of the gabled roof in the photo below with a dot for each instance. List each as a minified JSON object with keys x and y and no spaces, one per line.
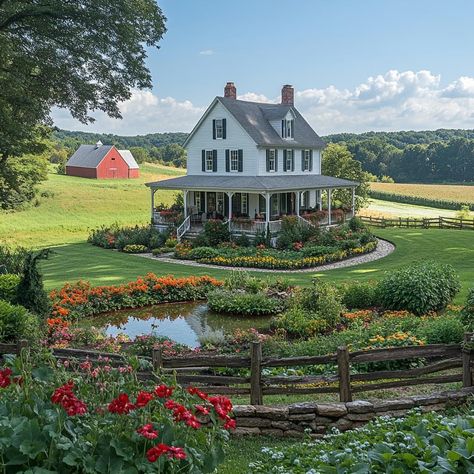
{"x":255,"y":117}
{"x":88,"y":156}
{"x":129,"y":159}
{"x":253,"y":183}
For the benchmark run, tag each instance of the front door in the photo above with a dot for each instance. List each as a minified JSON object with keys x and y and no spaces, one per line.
{"x":211,"y":202}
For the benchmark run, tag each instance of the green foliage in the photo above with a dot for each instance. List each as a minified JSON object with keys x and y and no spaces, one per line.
{"x":30,"y":291}
{"x":419,"y":287}
{"x":359,"y":294}
{"x":12,"y":259}
{"x":198,"y":253}
{"x":216,"y":232}
{"x":292,"y":231}
{"x":17,"y":323}
{"x":139,"y":153}
{"x":8,"y":287}
{"x":242,"y":240}
{"x":417,"y":443}
{"x":135,"y":248}
{"x":467,"y":313}
{"x":445,"y":329}
{"x":463,"y":212}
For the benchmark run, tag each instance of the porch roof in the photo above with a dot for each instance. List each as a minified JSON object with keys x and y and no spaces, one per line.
{"x":253,"y":183}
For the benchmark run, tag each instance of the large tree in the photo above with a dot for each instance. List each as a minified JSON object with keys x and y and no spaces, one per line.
{"x":339,"y":162}
{"x":81,"y":55}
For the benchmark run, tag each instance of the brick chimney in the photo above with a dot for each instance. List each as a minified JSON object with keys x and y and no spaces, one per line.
{"x":287,"y":95}
{"x":230,"y":90}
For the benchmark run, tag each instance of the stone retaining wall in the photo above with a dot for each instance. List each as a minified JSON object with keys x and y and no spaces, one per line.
{"x":293,"y":420}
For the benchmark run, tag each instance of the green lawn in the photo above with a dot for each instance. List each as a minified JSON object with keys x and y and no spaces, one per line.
{"x":77,"y":261}
{"x":76,"y":205}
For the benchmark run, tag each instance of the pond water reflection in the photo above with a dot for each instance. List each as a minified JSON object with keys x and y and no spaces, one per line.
{"x":181,"y":322}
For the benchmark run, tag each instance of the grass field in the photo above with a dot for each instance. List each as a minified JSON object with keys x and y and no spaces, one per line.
{"x":77,"y":261}
{"x":445,"y":192}
{"x":79,"y":204}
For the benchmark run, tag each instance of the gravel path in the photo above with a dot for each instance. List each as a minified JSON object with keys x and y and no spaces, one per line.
{"x":383,"y":249}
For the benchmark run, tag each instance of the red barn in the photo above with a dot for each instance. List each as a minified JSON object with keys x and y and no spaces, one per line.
{"x":102,"y":162}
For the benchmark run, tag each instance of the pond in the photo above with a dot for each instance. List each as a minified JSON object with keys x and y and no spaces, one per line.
{"x":182,"y":322}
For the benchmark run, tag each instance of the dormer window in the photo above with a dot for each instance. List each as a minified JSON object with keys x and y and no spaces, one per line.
{"x":219,"y":129}
{"x":287,"y":128}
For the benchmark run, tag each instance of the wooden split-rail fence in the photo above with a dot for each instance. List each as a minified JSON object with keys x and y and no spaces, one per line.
{"x":201,"y":370}
{"x":420,"y":223}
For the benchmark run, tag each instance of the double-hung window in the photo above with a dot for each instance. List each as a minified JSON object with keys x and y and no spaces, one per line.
{"x":272,"y":160}
{"x":287,"y":128}
{"x":219,"y":128}
{"x":209,"y":160}
{"x":289,"y":160}
{"x":306,"y":160}
{"x":234,"y":160}
{"x":244,"y":203}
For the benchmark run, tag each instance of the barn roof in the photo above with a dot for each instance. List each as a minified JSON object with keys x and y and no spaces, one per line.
{"x":89,"y":156}
{"x":129,"y":159}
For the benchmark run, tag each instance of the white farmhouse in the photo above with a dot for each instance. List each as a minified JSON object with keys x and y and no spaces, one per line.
{"x":251,"y":163}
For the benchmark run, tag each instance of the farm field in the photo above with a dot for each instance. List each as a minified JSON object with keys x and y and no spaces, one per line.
{"x":379,"y":208}
{"x":445,"y":192}
{"x":76,"y":205}
{"x":81,"y":261}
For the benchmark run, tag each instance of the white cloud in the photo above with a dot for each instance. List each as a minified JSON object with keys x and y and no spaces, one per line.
{"x":406,"y":100}
{"x":207,"y":52}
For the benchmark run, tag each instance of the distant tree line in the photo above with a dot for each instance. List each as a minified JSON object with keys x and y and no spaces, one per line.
{"x":425,"y":157}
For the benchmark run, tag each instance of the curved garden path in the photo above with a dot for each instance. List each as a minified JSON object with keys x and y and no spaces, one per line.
{"x":383,"y":249}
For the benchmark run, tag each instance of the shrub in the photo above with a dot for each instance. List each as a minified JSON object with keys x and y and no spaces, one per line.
{"x":216,"y":232}
{"x":243,"y":240}
{"x":161,"y":250}
{"x":8,"y":287}
{"x":442,"y":330}
{"x":198,"y":253}
{"x":419,"y":288}
{"x":359,"y":295}
{"x":248,"y":304}
{"x":135,"y":248}
{"x":356,"y":224}
{"x":12,"y":260}
{"x":64,"y":421}
{"x":300,"y":323}
{"x":30,"y":290}
{"x":16,"y":323}
{"x":171,"y":243}
{"x":467,"y":313}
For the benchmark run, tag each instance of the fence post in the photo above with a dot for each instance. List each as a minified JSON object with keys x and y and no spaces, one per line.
{"x":466,"y":362}
{"x":21,"y":344}
{"x":256,"y":395}
{"x":157,"y":359}
{"x":440,"y":222}
{"x":343,"y":369}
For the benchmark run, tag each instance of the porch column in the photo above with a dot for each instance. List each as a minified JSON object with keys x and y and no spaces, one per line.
{"x":329,"y":207}
{"x":268,"y":197}
{"x":320,"y":197}
{"x":353,"y":201}
{"x":152,"y":205}
{"x":229,"y":195}
{"x":298,"y":199}
{"x":185,"y":200}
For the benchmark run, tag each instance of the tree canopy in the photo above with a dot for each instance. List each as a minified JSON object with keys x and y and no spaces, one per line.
{"x":81,"y":55}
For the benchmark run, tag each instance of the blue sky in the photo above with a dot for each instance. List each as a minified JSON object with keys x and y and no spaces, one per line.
{"x":356,"y":65}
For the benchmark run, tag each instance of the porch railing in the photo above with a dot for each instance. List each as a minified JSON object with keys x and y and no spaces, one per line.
{"x":183,"y":228}
{"x":274,"y":226}
{"x":305,"y":222}
{"x":250,"y":227}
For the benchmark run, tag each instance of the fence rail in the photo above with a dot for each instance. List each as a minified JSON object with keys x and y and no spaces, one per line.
{"x":342,"y":379}
{"x":423,"y":222}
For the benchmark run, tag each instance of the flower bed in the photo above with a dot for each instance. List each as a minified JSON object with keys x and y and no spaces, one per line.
{"x":99,"y":418}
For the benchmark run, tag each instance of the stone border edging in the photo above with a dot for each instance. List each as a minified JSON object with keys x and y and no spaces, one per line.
{"x":384,"y":248}
{"x":293,"y":420}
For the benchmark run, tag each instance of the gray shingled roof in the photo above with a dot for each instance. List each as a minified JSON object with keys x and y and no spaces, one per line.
{"x":129,"y":159}
{"x":88,"y":156}
{"x":255,"y":118}
{"x":253,"y":183}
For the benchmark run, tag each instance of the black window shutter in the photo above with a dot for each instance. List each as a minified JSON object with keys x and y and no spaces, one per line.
{"x":282,"y":128}
{"x":292,"y":160}
{"x":276,"y":159}
{"x":214,"y":129}
{"x":302,"y":160}
{"x":241,"y":161}
{"x":214,"y":160}
{"x":203,"y":197}
{"x":224,"y":129}
{"x":203,"y":154}
{"x":227,"y":161}
{"x":268,"y":160}
{"x":311,"y":160}
{"x":284,"y":160}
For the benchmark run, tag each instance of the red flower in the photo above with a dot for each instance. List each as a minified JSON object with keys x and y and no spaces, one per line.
{"x":147,"y":431}
{"x":196,"y":391}
{"x":121,"y":405}
{"x":230,"y":424}
{"x":65,"y":397}
{"x":5,"y":380}
{"x":175,"y":452}
{"x":163,"y":391}
{"x":222,"y":406}
{"x":201,"y":409}
{"x":143,"y":398}
{"x":154,"y":453}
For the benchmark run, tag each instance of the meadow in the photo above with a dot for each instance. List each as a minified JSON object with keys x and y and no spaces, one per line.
{"x":71,"y":206}
{"x":445,"y":192}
